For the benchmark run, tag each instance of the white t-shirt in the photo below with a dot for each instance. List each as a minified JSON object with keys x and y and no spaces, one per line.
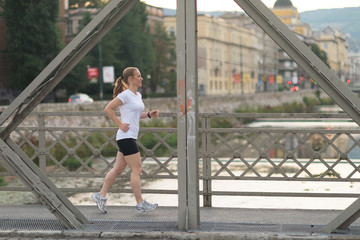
{"x":130,"y":112}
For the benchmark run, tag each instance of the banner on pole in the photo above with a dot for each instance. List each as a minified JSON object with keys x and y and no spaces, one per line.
{"x":109,"y":74}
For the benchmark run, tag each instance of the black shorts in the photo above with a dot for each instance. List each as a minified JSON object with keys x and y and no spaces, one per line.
{"x":127,"y":146}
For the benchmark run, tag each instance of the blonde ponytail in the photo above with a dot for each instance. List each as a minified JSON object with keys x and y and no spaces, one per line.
{"x":119,"y":87}
{"x":121,"y":84}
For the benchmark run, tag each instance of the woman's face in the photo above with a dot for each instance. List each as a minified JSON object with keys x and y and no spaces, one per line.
{"x":137,"y":79}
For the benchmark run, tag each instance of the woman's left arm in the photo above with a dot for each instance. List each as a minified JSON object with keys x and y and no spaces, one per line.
{"x":150,"y":114}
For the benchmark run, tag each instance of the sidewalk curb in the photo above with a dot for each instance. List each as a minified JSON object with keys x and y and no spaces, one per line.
{"x":74,"y":234}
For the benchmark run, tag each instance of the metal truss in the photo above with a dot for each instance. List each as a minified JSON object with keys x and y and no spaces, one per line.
{"x":15,"y":160}
{"x":326,"y":78}
{"x":187,"y":87}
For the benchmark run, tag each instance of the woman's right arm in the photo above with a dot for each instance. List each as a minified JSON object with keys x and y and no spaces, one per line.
{"x":110,"y":112}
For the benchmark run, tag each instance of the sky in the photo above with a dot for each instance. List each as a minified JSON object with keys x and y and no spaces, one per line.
{"x":231,"y":5}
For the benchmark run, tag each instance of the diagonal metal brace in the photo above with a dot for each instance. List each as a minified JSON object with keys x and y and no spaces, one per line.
{"x":41,"y":186}
{"x":326,"y":78}
{"x":344,"y":219}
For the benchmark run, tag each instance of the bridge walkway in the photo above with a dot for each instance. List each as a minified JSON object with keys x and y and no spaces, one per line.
{"x":36,"y":222}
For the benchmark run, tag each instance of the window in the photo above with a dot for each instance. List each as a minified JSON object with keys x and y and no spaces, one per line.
{"x":172,"y":32}
{"x":69,"y":27}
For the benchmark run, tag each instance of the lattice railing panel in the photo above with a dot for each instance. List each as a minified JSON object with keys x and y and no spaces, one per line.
{"x":283,"y":154}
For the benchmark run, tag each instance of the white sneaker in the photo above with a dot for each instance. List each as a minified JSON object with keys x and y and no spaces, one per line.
{"x":100,"y":202}
{"x":145,"y":206}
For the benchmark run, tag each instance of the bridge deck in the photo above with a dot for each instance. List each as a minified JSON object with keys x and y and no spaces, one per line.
{"x":37,"y":221}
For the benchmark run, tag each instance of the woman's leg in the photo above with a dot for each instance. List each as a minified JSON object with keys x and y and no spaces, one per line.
{"x":134,"y":162}
{"x":111,"y":176}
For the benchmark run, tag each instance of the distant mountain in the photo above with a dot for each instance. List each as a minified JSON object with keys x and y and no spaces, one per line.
{"x":345,"y":19}
{"x":172,"y":12}
{"x":169,"y":12}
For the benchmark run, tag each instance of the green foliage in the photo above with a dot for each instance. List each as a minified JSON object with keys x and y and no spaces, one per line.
{"x":320,"y":53}
{"x":164,"y":46}
{"x":73,"y":164}
{"x":310,"y":102}
{"x":77,"y":80}
{"x":2,"y":182}
{"x":293,"y":107}
{"x":220,"y":123}
{"x":149,"y":140}
{"x":32,"y":38}
{"x":96,"y":139}
{"x":127,"y":44}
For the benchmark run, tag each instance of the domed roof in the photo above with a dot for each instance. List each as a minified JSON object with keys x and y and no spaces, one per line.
{"x":283,"y":3}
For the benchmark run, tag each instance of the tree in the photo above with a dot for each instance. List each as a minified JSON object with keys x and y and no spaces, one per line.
{"x":165,"y":58}
{"x":320,"y":53}
{"x":77,"y":79}
{"x":132,"y":41}
{"x":127,"y":44}
{"x":32,"y":39}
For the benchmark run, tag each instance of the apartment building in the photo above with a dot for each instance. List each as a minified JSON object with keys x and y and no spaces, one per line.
{"x":334,"y":43}
{"x":227,"y":56}
{"x":155,"y":17}
{"x":267,"y":57}
{"x":329,"y":40}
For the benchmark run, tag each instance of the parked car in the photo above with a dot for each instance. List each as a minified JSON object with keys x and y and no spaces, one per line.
{"x":80,"y":98}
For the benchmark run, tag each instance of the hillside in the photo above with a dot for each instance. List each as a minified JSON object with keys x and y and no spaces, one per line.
{"x":345,"y":19}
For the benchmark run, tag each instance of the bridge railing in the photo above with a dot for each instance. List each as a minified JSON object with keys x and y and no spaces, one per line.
{"x":232,"y":147}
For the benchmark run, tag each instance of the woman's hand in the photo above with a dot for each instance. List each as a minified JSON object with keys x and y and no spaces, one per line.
{"x":124,"y":127}
{"x":154,"y":113}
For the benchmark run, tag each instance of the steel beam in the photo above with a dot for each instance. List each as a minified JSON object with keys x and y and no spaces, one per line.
{"x":344,"y":219}
{"x":325,"y":77}
{"x":188,"y":161}
{"x":13,"y":156}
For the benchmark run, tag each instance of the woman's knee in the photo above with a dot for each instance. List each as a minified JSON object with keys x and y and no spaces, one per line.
{"x":118,"y":170}
{"x":137,"y":170}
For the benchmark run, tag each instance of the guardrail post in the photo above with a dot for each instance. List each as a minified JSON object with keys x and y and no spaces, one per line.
{"x":206,"y":141}
{"x":42,"y":142}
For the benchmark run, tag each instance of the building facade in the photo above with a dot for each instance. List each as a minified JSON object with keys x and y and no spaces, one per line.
{"x":155,"y":17}
{"x":266,"y":55}
{"x":334,"y":43}
{"x":329,"y":40}
{"x":227,"y":56}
